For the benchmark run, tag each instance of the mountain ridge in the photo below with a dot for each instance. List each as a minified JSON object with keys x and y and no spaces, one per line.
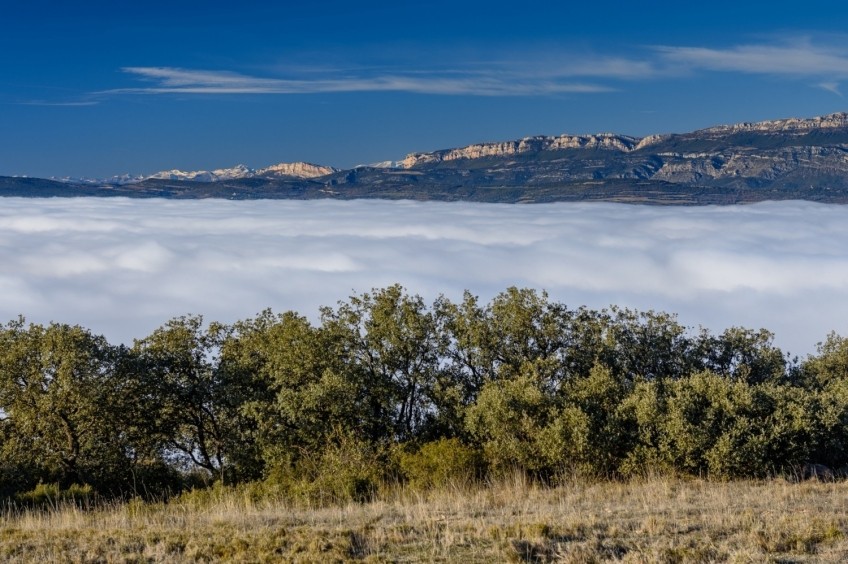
{"x":624,"y":143}
{"x":294,"y":170}
{"x":793,"y":158}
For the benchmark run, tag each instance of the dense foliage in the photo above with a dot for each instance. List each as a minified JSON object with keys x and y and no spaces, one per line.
{"x":385,"y":388}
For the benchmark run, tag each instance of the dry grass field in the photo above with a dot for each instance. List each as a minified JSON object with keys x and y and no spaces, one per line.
{"x":652,"y":520}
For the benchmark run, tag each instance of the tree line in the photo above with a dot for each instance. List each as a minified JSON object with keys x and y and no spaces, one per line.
{"x":387,"y":387}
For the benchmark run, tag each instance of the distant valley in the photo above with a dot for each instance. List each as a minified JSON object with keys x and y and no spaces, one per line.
{"x":803,"y":159}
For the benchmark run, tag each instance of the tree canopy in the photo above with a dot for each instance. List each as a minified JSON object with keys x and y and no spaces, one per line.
{"x":385,"y":385}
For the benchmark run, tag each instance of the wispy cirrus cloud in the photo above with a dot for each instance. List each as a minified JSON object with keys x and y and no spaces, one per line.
{"x":539,"y":72}
{"x":172,"y":80}
{"x":59,"y":103}
{"x":830,"y":87}
{"x":528,"y":74}
{"x":799,"y":58}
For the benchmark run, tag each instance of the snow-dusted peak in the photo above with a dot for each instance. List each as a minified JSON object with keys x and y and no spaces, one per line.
{"x":238,"y":171}
{"x":297,"y":170}
{"x":174,"y":174}
{"x":382,"y":164}
{"x":114,"y":180}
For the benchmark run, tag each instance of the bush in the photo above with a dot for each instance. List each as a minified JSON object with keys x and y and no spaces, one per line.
{"x":51,"y":494}
{"x":523,"y":426}
{"x":440,"y":463}
{"x":348,"y":469}
{"x":508,"y":420}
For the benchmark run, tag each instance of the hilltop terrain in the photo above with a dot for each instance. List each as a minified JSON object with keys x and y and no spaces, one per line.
{"x":784,"y":159}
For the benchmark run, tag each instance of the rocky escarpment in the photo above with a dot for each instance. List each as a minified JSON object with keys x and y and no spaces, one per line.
{"x":777,"y":154}
{"x":757,"y":167}
{"x":526,"y":145}
{"x":790,"y":125}
{"x":748,"y":162}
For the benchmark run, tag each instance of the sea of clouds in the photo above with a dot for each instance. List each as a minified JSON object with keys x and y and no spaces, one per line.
{"x":123,"y":267}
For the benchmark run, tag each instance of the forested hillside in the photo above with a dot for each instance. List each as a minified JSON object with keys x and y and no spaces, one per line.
{"x":388,"y":388}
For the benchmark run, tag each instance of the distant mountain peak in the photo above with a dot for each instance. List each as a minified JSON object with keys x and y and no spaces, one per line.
{"x":618,"y":142}
{"x":829,"y":121}
{"x":294,"y":170}
{"x":297,"y":170}
{"x":802,"y":158}
{"x":238,"y":171}
{"x":533,"y":144}
{"x":381,"y":164}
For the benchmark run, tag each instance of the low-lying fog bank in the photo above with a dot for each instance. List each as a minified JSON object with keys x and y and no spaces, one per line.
{"x":123,"y":267}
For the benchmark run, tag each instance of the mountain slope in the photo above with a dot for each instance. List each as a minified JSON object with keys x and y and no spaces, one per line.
{"x":281,"y":170}
{"x":748,"y":162}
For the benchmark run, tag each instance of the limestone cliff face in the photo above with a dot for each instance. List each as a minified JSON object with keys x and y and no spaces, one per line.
{"x":779,"y":159}
{"x":526,"y":145}
{"x":749,"y":164}
{"x":793,"y":153}
{"x":624,"y":143}
{"x":798,"y":125}
{"x":650,"y":140}
{"x":297,"y":170}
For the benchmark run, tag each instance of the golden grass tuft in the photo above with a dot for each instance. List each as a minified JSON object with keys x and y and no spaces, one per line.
{"x":651,"y":520}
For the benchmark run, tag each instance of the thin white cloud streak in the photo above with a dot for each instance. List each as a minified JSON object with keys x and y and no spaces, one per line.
{"x":59,"y":104}
{"x":169,"y":80}
{"x":521,"y":72}
{"x":123,"y":267}
{"x":800,"y":58}
{"x":539,"y":73}
{"x":564,"y":65}
{"x":830,"y":87}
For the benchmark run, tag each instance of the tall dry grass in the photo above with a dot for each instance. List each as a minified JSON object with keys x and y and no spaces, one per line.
{"x":650,"y":520}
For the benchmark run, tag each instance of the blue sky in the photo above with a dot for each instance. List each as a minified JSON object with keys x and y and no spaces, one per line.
{"x":101,"y":88}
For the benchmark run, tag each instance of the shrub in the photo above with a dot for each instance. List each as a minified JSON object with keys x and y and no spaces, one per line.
{"x":508,"y":420}
{"x":347,"y":469}
{"x":51,"y":494}
{"x":440,"y":463}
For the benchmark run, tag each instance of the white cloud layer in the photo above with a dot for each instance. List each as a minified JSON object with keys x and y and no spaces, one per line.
{"x":123,"y":267}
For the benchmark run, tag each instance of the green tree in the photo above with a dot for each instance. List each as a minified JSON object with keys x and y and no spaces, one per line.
{"x":196,"y":405}
{"x":64,"y":404}
{"x":485,"y":343}
{"x":394,"y":340}
{"x":825,"y":375}
{"x":646,"y":346}
{"x":310,"y":391}
{"x":598,"y":397}
{"x":828,"y":366}
{"x":744,"y":355}
{"x":520,"y":425}
{"x":731,"y":428}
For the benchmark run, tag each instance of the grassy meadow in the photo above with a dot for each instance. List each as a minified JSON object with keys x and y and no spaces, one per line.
{"x":648,"y":520}
{"x":395,"y":431}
